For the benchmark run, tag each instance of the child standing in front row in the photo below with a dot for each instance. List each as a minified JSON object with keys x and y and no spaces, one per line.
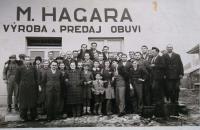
{"x":87,"y":85}
{"x":98,"y":91}
{"x":109,"y":90}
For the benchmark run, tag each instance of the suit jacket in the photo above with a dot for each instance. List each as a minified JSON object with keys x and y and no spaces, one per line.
{"x":127,"y":67}
{"x":82,"y":54}
{"x":157,"y":72}
{"x":174,"y":66}
{"x":52,"y":81}
{"x":105,"y":57}
{"x":67,"y":63}
{"x":92,"y":54}
{"x":26,"y":78}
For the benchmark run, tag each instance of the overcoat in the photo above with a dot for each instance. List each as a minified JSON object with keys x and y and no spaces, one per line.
{"x":73,"y":94}
{"x":174,"y":66}
{"x":26,"y":78}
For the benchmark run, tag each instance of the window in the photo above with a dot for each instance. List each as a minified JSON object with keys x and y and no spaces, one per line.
{"x":40,"y":46}
{"x":44,"y":41}
{"x":115,"y":44}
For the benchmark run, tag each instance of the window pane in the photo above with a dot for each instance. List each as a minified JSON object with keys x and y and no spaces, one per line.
{"x":33,"y":54}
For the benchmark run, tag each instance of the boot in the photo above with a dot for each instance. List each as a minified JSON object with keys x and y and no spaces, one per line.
{"x":88,"y":110}
{"x":84,"y":110}
{"x":9,"y":108}
{"x":99,"y":109}
{"x":96,"y":108}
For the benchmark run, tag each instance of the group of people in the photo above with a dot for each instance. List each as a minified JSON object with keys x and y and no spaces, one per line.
{"x":89,"y":81}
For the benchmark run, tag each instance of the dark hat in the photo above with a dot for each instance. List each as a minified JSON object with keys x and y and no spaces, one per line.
{"x":59,"y":58}
{"x":155,"y":48}
{"x":85,"y":64}
{"x":12,"y":57}
{"x":38,"y":58}
{"x":119,"y":53}
{"x":22,"y":56}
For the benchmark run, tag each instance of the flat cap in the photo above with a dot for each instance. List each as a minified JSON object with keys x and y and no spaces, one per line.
{"x":12,"y":57}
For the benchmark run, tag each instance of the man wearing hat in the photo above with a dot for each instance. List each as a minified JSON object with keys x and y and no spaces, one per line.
{"x":9,"y":73}
{"x":21,"y":59}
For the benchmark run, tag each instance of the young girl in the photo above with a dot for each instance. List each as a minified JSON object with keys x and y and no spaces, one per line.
{"x":87,"y":80}
{"x":73,"y":81}
{"x":98,"y":91}
{"x":109,"y":90}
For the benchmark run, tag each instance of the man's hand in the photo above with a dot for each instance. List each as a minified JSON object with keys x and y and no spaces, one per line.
{"x":141,"y":79}
{"x":40,"y":88}
{"x":152,"y":65}
{"x":131,"y":87}
{"x":66,"y":80}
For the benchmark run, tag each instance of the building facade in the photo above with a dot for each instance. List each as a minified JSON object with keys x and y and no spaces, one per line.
{"x":36,"y":27}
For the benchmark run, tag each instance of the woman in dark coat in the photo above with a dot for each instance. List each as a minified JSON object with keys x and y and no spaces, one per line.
{"x":52,"y":80}
{"x":38,"y":66}
{"x":26,"y":78}
{"x":73,"y":96}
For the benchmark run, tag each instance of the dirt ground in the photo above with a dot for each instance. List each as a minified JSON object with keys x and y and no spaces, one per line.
{"x":190,"y":98}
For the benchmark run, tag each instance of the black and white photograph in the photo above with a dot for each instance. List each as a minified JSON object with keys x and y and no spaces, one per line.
{"x":100,"y":64}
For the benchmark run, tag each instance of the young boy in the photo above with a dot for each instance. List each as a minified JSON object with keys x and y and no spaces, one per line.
{"x":98,"y":91}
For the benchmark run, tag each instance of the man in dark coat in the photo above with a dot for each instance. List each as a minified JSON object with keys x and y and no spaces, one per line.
{"x":26,"y":78}
{"x":127,"y":65}
{"x":105,"y":53}
{"x":93,"y":50}
{"x":157,"y":76}
{"x":52,"y":80}
{"x":69,"y":59}
{"x":81,"y":55}
{"x":174,"y":72}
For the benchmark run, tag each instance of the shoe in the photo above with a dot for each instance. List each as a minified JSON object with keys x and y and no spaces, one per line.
{"x":16,"y":107}
{"x":9,"y":108}
{"x":121,"y":114}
